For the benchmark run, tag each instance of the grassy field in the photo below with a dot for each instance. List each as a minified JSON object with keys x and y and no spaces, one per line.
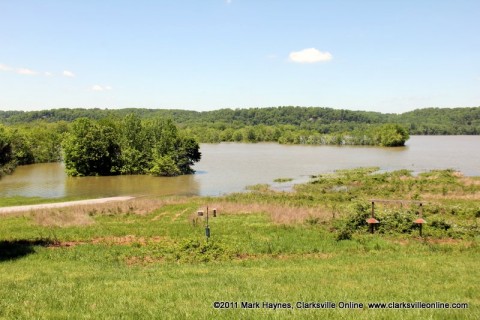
{"x":149,"y":258}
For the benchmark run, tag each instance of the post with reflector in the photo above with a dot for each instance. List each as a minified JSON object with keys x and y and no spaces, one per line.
{"x":201,"y":213}
{"x":420,"y":221}
{"x":372,"y":221}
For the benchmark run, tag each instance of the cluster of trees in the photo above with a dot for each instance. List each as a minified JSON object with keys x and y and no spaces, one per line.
{"x":128,"y":146}
{"x":388,"y":135}
{"x":36,"y":142}
{"x":101,"y":147}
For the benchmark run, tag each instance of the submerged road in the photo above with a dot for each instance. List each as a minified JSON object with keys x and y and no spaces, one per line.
{"x":62,"y":204}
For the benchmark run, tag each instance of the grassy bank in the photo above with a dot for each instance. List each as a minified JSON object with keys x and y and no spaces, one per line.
{"x":21,"y":201}
{"x":149,"y":259}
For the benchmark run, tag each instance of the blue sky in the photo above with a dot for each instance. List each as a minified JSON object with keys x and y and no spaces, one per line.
{"x":388,"y":56}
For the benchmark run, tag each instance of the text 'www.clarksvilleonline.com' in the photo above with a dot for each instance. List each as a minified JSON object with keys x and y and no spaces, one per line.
{"x":417,"y":305}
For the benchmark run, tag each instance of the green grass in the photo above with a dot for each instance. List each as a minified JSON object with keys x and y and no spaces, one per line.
{"x":159,"y":265}
{"x":77,"y":283}
{"x":20,"y":201}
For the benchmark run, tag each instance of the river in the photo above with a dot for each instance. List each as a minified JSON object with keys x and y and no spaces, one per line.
{"x":230,"y":167}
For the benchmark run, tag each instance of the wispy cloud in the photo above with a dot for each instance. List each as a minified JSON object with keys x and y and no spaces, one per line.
{"x":22,"y":71}
{"x":310,"y":55}
{"x":69,"y":74}
{"x":98,"y":87}
{"x":27,"y":72}
{"x":4,"y":67}
{"x":31,"y":72}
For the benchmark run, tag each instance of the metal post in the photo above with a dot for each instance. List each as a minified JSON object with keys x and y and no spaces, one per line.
{"x":421,"y":217}
{"x":207,"y":228}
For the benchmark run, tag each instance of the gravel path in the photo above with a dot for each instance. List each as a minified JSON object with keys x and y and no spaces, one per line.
{"x":61,"y":204}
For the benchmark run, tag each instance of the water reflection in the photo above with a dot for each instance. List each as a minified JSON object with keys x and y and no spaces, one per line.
{"x":40,"y":180}
{"x":136,"y":185}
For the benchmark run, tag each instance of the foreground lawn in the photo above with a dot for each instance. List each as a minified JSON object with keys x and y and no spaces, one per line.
{"x":152,"y":266}
{"x":149,"y":258}
{"x":75,"y":283}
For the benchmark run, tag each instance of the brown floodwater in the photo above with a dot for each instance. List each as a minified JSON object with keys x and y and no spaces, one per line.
{"x":230,"y":167}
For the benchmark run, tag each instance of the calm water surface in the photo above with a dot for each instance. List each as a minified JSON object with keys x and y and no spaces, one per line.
{"x":230,"y":167}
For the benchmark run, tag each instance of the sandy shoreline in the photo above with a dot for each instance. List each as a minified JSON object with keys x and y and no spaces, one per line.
{"x":62,"y":204}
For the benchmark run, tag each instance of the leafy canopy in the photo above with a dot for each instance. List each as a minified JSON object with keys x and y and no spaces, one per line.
{"x":128,"y":146}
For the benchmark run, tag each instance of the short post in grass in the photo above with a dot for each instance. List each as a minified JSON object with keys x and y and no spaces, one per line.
{"x":420,"y":221}
{"x":207,"y":226}
{"x":372,"y":221}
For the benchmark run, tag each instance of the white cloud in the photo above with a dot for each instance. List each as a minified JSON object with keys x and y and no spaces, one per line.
{"x":310,"y":55}
{"x":98,"y":87}
{"x":48,"y":74}
{"x":4,"y":67}
{"x":69,"y":74}
{"x":26,"y":71}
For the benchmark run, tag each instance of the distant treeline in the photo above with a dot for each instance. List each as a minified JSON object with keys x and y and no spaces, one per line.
{"x":429,"y":121}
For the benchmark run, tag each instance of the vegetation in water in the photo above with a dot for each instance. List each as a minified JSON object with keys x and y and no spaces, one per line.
{"x":102,"y":147}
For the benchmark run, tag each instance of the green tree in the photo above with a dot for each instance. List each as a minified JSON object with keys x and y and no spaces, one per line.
{"x":135,"y":147}
{"x":187,"y":152}
{"x":173,"y":153}
{"x":162,"y":134}
{"x":22,"y":148}
{"x":7,"y":160}
{"x":390,"y":135}
{"x":91,"y":149}
{"x":164,"y":166}
{"x":46,"y":141}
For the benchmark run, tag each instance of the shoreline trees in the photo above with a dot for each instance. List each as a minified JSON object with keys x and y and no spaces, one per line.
{"x":128,"y":146}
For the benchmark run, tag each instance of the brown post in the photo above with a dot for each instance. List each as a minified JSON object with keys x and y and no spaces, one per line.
{"x":372,"y":226}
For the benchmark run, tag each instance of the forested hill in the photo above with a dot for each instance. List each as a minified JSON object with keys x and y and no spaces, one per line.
{"x":430,"y":121}
{"x":436,"y":121}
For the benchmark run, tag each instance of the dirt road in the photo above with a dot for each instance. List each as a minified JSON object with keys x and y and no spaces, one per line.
{"x":61,"y":204}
